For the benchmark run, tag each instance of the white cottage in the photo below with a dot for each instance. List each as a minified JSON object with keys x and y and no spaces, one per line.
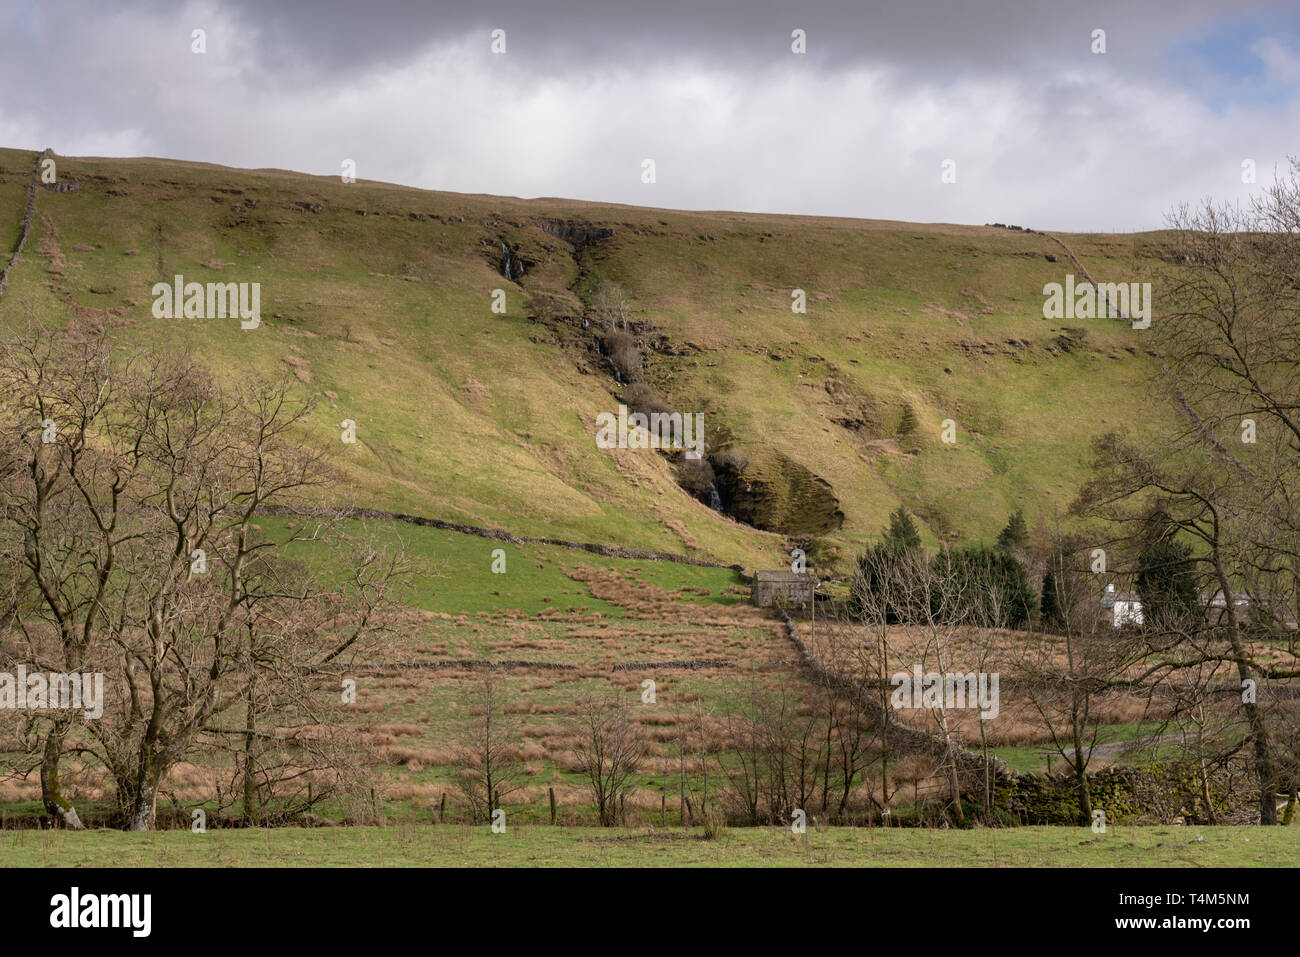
{"x":1125,"y":606}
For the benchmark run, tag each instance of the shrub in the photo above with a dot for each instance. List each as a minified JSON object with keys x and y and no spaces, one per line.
{"x":715,"y":823}
{"x":731,"y":460}
{"x":639,"y":397}
{"x":907,"y":424}
{"x":620,"y":346}
{"x":547,"y":306}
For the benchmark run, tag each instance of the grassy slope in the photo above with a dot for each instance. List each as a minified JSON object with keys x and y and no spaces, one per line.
{"x":541,"y":846}
{"x":467,"y":415}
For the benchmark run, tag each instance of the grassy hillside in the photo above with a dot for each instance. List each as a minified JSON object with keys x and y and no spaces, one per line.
{"x":378,"y":299}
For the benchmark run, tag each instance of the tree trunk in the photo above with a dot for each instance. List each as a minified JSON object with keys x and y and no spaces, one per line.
{"x":142,"y":804}
{"x":250,"y":761}
{"x":956,"y":791}
{"x":1254,"y":718}
{"x":56,"y":805}
{"x":1204,"y":773}
{"x":826,"y":774}
{"x":988,"y":786}
{"x":1085,"y":794}
{"x":951,"y":756}
{"x":1080,"y":766}
{"x":144,"y":808}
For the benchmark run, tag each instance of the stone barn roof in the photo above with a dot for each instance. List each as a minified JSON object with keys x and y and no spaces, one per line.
{"x":780,"y":576}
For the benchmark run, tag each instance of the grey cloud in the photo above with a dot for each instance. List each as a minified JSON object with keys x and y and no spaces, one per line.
{"x":569,"y":35}
{"x":941,"y":37}
{"x":1044,"y":132}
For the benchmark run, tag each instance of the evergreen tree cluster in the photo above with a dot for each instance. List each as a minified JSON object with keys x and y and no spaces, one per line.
{"x":977,"y":584}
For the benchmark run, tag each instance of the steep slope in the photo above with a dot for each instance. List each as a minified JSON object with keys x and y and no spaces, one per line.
{"x":379,"y":299}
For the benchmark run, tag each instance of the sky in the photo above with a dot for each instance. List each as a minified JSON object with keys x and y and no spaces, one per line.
{"x":963,"y":111}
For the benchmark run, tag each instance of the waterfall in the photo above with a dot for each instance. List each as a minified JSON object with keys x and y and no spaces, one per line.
{"x":714,"y":500}
{"x":511,"y":267}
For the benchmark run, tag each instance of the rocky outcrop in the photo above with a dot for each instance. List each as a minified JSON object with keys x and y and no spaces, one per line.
{"x":769,"y":490}
{"x":577,"y":235}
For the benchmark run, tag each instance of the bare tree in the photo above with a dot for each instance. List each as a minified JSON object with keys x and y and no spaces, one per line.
{"x":130,"y":487}
{"x":608,"y":753}
{"x":1225,"y":473}
{"x":984,"y":648}
{"x":848,"y":745}
{"x":863,"y":650}
{"x":939,"y":599}
{"x":612,"y":305}
{"x":1064,"y":674}
{"x":490,"y":767}
{"x":746,"y":742}
{"x":1202,"y":716}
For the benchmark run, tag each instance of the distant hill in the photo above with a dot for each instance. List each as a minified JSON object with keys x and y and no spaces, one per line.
{"x":379,"y":298}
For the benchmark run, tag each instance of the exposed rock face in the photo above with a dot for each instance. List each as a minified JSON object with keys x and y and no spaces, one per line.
{"x":575,"y":234}
{"x":775,"y":493}
{"x":515,"y":263}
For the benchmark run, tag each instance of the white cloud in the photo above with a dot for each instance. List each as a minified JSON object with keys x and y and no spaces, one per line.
{"x":1071,"y":148}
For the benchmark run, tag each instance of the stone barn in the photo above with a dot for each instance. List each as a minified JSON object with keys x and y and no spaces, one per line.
{"x":791,"y":588}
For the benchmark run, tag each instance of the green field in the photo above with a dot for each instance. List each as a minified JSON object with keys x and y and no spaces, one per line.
{"x":453,"y":572}
{"x":543,"y":846}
